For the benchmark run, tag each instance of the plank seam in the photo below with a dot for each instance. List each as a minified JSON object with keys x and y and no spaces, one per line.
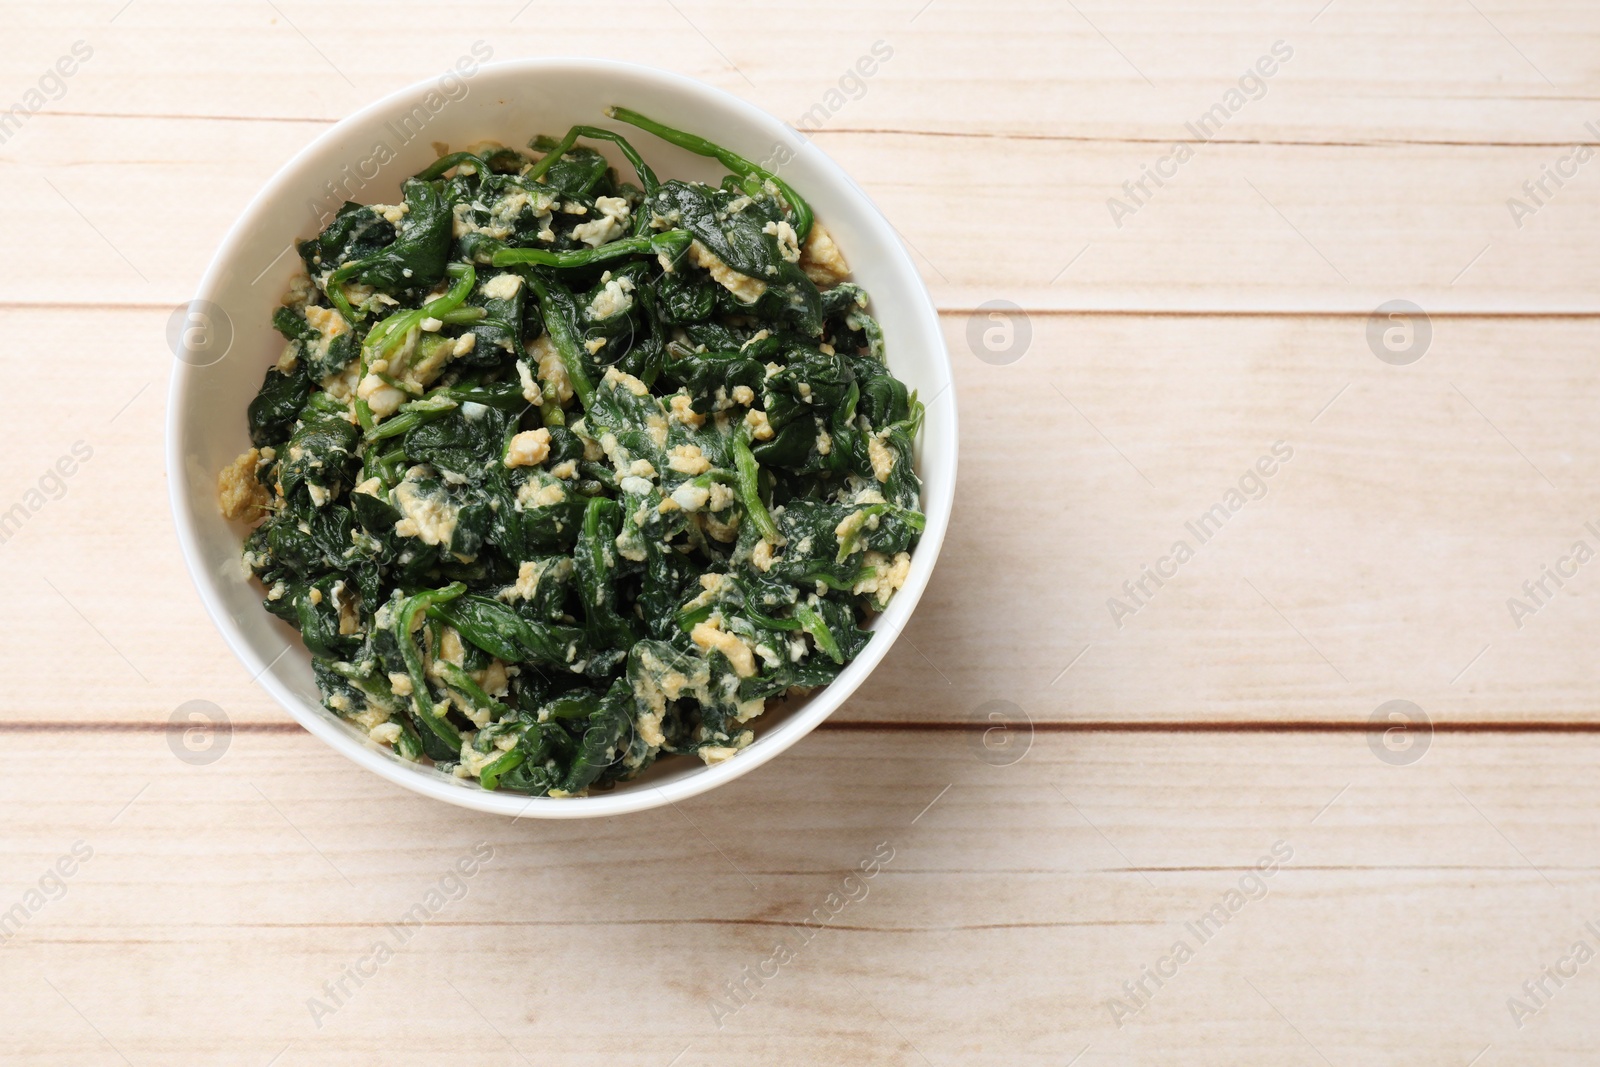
{"x":973,"y":135}
{"x":1108,"y":726}
{"x":1545,"y":314}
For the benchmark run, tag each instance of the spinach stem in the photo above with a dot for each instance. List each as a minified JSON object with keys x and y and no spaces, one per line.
{"x":672,"y":242}
{"x":387,"y":335}
{"x":812,"y":622}
{"x":647,"y":177}
{"x":732,"y":160}
{"x":570,"y":707}
{"x":410,"y":416}
{"x":439,"y":166}
{"x":489,"y":777}
{"x":553,"y":156}
{"x":559,"y":327}
{"x":745,"y":466}
{"x":458,"y":678}
{"x":429,"y":713}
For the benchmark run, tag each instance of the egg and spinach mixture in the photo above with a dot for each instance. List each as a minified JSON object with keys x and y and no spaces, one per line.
{"x":558,"y":473}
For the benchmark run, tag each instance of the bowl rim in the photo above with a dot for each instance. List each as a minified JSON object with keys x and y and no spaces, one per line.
{"x":623,"y":799}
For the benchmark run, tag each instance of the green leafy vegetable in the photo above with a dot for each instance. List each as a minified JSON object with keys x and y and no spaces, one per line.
{"x":557,"y":474}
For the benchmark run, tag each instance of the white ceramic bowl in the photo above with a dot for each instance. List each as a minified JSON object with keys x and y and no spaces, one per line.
{"x":364,"y":158}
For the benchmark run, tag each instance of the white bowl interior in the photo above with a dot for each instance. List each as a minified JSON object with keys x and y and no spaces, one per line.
{"x":371,"y":153}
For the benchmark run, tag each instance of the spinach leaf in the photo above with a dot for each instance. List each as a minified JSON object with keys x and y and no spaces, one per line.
{"x":276,"y":407}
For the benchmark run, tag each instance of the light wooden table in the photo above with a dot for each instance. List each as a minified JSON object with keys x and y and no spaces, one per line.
{"x":231,"y":912}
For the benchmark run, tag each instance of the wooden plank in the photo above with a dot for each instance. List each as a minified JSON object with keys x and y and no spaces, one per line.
{"x":1362,"y":70}
{"x":1378,"y":565}
{"x":1277,"y":227}
{"x":1045,"y":884}
{"x":1378,"y":162}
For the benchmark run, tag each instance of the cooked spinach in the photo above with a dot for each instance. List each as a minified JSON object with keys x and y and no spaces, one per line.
{"x":558,"y":473}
